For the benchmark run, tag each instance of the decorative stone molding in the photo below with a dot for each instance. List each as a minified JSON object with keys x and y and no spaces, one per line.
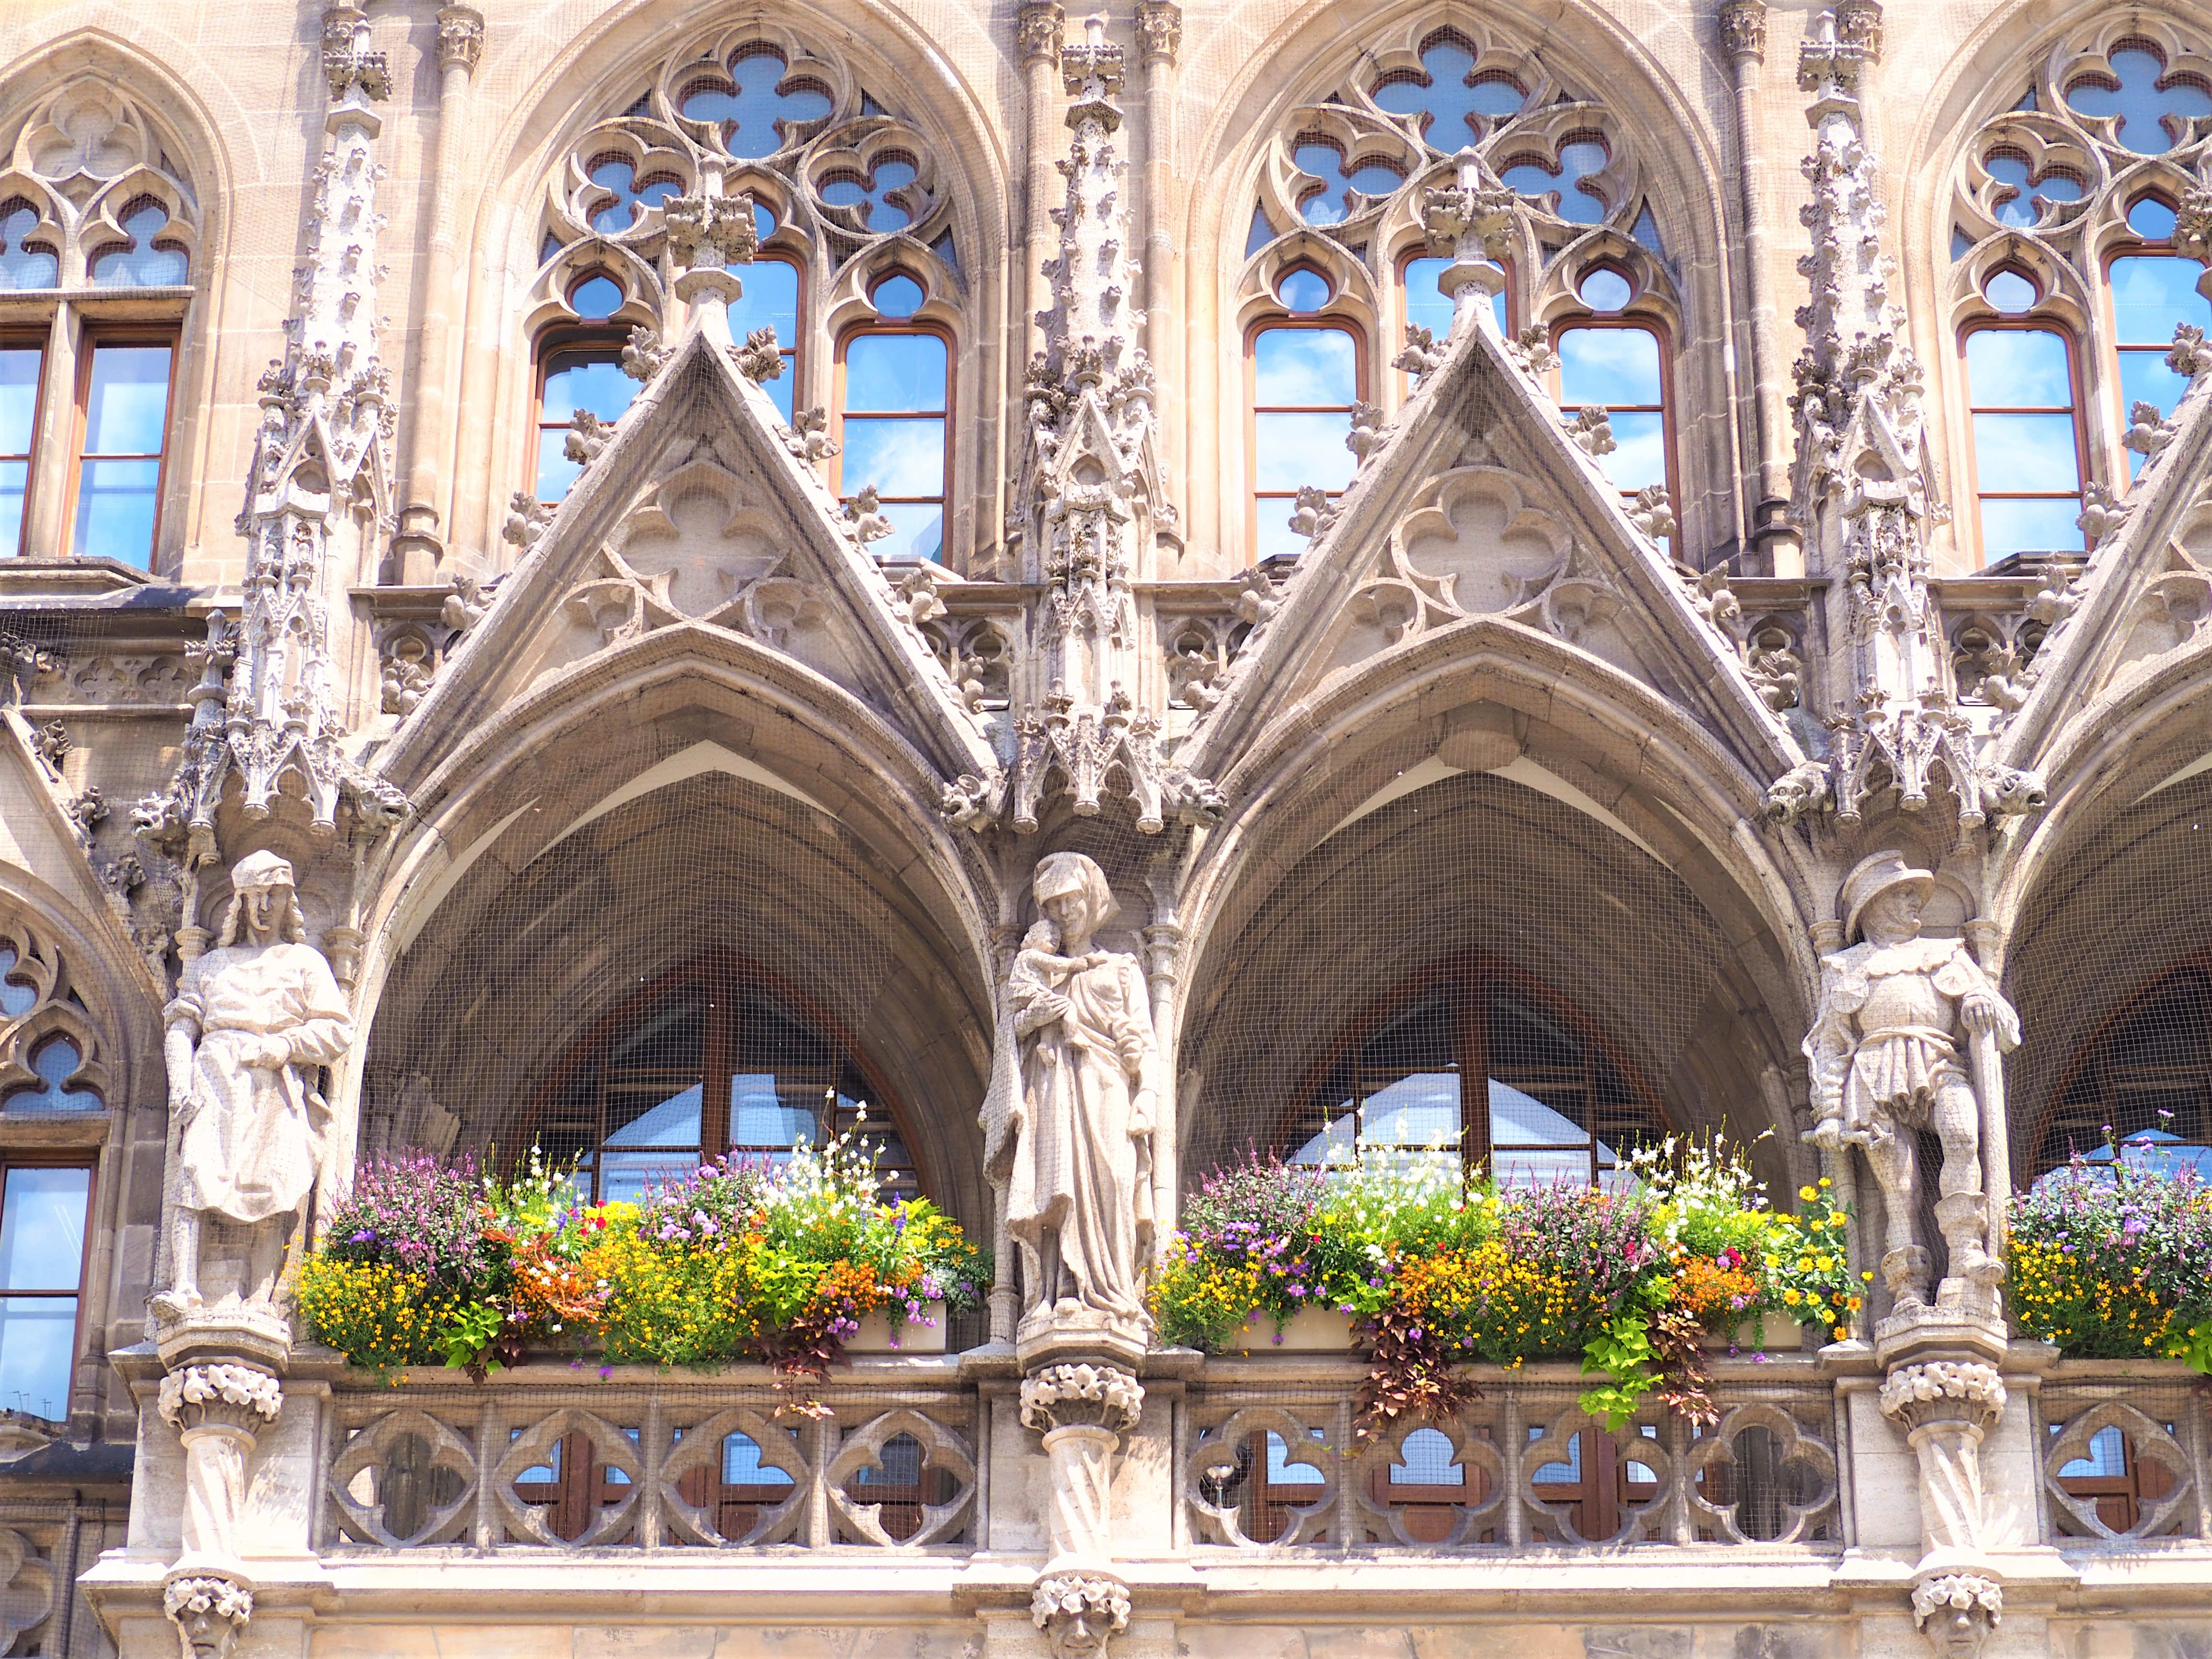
{"x":208,"y":1612}
{"x":1159,"y":31}
{"x":460,"y":37}
{"x":1956,"y":1612}
{"x":1943,"y":1389}
{"x":1041,"y":29}
{"x":1743,"y":30}
{"x":199,"y":1395}
{"x":1079,"y":1612}
{"x":1103,"y":1396}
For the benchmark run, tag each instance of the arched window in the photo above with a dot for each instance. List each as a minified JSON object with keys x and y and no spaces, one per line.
{"x":1304,"y":373}
{"x":2144,"y":1072}
{"x":2152,"y":290}
{"x":771,"y":300}
{"x":1477,"y":1058}
{"x":123,"y":423}
{"x":578,"y":370}
{"x":2027,"y":440}
{"x":1619,"y":366}
{"x":146,"y":261}
{"x":893,"y":405}
{"x":719,"y":1057}
{"x":22,"y":364}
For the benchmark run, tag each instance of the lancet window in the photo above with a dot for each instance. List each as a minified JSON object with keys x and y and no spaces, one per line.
{"x":1613,"y":361}
{"x":1304,"y":379}
{"x":854,"y":241}
{"x":90,"y":203}
{"x":893,"y":408}
{"x":1340,"y":197}
{"x":719,"y":1058}
{"x":2066,"y":244}
{"x":2139,"y":1077}
{"x":1476,"y":1059}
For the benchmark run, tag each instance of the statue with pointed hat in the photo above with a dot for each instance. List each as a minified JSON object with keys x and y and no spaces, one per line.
{"x":1906,"y":1039}
{"x":253,"y":1021}
{"x":1079,"y":1192}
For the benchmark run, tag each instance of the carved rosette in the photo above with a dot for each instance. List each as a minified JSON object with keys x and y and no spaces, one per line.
{"x":208,"y":1612}
{"x":240,"y":1397}
{"x":1743,"y":30}
{"x":1087,"y":1395}
{"x":1078,"y":1612}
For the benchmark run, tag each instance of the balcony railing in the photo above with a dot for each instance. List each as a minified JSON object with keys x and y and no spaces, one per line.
{"x":547,"y":1459}
{"x":2124,"y":1454}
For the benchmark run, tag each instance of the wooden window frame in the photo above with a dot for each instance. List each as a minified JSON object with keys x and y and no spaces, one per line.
{"x":97,"y":336}
{"x":840,"y":414}
{"x":2029,"y":324}
{"x":40,"y":341}
{"x":790,"y":350}
{"x":1635,"y":322}
{"x":552,"y":343}
{"x":39,"y":1157}
{"x":2118,"y":348}
{"x":1315,"y":322}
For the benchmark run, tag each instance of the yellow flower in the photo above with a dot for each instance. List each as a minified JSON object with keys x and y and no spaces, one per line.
{"x":1868,"y":1275}
{"x":1808,"y":1193}
{"x":1825,"y":1264}
{"x":1842,"y":1331}
{"x":1793,"y":1298}
{"x":1825,"y":1182}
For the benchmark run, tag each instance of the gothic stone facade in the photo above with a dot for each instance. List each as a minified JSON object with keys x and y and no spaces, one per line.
{"x":1498,"y":565}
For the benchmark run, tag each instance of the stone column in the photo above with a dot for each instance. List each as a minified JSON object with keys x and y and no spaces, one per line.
{"x":1160,"y":42}
{"x":1945,"y":1408}
{"x":1081,"y":1408}
{"x":1743,"y":40}
{"x":1041,"y":30}
{"x":417,"y":552}
{"x":1163,"y":965}
{"x":219,"y":1408}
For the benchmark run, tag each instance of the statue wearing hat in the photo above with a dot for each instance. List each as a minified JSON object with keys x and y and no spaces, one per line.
{"x":1907,"y":1039}
{"x":1080,"y":1186}
{"x":252,"y":1018}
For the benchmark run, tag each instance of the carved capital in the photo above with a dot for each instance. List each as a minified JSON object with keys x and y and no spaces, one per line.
{"x":239,"y":1397}
{"x":1079,"y":1612}
{"x":208,"y":1613}
{"x":1041,"y":30}
{"x":1743,"y":30}
{"x":1858,"y":23}
{"x":460,"y":37}
{"x":347,"y":60}
{"x":1939,"y":1389}
{"x":1159,"y":31}
{"x":1064,"y":1396}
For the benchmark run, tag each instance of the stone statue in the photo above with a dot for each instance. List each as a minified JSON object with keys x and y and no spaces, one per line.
{"x":1896,"y":1012}
{"x":1078,"y":1197}
{"x":250,"y":1019}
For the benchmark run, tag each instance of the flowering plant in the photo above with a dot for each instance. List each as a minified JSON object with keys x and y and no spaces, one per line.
{"x":1439,"y":1266}
{"x":781,"y":1260}
{"x":2111,"y":1257}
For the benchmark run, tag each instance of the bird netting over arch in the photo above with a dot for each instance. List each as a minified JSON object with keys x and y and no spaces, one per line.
{"x":1478,"y":964}
{"x":716,"y":963}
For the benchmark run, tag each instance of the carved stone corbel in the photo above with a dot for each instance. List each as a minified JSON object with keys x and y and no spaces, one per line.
{"x":1081,"y":1409}
{"x":1945,"y":1408}
{"x":1956,"y":1612}
{"x":1079,"y":1612}
{"x":210,"y":1613}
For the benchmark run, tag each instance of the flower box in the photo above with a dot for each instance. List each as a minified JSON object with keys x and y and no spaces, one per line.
{"x":877,"y":1335}
{"x":1309,"y":1330}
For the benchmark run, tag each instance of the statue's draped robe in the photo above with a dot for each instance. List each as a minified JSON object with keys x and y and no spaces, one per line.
{"x":252,"y":1137}
{"x":1887,"y":1038}
{"x":1083,"y":1173}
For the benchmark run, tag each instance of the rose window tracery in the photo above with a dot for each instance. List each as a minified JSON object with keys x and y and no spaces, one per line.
{"x":90,"y":196}
{"x":833,"y":177}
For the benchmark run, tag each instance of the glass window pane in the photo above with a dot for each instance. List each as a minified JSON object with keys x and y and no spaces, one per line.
{"x":770,"y":299}
{"x":1425,"y":1459}
{"x":782,"y":389}
{"x":115,"y":506}
{"x":23,"y":266}
{"x":42,"y":1229}
{"x":917,"y":532}
{"x":896,"y":371}
{"x":556,"y":472}
{"x":2030,"y":526}
{"x":594,"y":380}
{"x":2024,"y":452}
{"x":2151,"y":218}
{"x":2018,"y":368}
{"x":1519,"y":1119}
{"x":36,"y":1335}
{"x":1426,"y":304}
{"x":142,"y":264}
{"x":2144,"y":377}
{"x":899,"y":456}
{"x":1420,"y":1110}
{"x":1639,"y":456}
{"x":1520,"y":1168}
{"x":762,"y":1115}
{"x":636,"y":1118}
{"x":2143,"y":104}
{"x":2151,"y":294}
{"x":1304,"y":366}
{"x":1276,"y":538}
{"x":19,"y":397}
{"x":15,"y":482}
{"x":129,"y":402}
{"x":1608,"y":366}
{"x":742,"y":1465}
{"x":1298,"y":450}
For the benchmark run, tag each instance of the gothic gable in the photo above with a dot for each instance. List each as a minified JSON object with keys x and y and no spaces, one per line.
{"x":1479,"y":504}
{"x":692,"y":513}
